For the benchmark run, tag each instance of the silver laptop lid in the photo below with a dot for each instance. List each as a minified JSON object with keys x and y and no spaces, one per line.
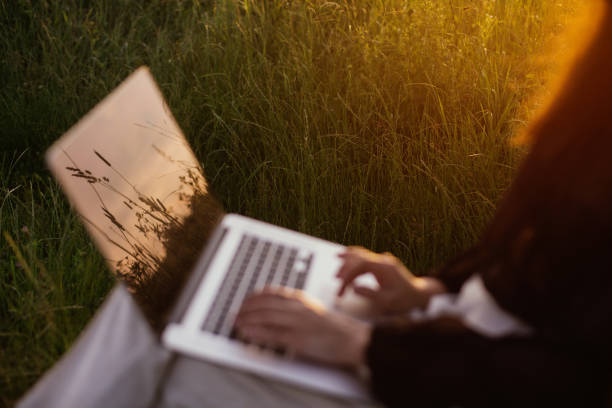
{"x":132,"y":177}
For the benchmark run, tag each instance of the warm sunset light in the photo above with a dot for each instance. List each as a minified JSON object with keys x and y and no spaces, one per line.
{"x":444,"y":164}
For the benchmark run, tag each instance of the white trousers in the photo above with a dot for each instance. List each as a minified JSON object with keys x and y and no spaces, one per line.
{"x":118,"y":362}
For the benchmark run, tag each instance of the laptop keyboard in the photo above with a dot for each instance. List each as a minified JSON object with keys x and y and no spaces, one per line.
{"x":256,"y":263}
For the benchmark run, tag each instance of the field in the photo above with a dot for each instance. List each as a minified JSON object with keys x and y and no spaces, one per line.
{"x":379,"y":123}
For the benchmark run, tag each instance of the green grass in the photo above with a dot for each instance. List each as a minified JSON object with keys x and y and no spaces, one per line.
{"x":370,"y":122}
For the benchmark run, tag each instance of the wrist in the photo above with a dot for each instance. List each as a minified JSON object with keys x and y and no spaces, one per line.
{"x":428,"y":287}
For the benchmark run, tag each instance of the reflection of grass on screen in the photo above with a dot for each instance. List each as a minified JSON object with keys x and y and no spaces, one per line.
{"x":379,"y":123}
{"x":154,"y":275}
{"x":139,"y":257}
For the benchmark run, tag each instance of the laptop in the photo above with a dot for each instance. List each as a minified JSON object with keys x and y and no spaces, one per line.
{"x":128,"y":170}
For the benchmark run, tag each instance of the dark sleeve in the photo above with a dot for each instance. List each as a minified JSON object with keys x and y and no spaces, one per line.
{"x":442,"y":363}
{"x":456,"y":272}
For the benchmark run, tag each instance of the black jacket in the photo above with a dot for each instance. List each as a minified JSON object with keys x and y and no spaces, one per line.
{"x":443,"y":363}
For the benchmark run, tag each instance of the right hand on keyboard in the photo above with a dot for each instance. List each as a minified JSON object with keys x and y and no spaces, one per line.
{"x":399,"y":290}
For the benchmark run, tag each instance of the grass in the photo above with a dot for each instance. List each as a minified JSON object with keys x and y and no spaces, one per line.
{"x":370,"y":122}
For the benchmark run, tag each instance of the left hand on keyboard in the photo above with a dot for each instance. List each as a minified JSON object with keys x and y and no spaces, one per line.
{"x":279,"y":317}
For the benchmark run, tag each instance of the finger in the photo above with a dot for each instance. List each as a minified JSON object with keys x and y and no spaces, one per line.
{"x":352,"y":263}
{"x":270,"y":336}
{"x":354,"y":257}
{"x":350,"y":256}
{"x":352,"y":250}
{"x":366,"y":292}
{"x":361,"y":267}
{"x":264,"y":303}
{"x":274,"y":292}
{"x":282,"y":291}
{"x":348,"y":274}
{"x":382,"y":272}
{"x":279,"y":292}
{"x":284,"y":319}
{"x":349,"y":259}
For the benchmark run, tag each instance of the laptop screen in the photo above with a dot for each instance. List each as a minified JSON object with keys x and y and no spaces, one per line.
{"x":128,"y":170}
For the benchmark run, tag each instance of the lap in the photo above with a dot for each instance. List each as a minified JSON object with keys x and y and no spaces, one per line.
{"x":117,"y":361}
{"x":199,"y":383}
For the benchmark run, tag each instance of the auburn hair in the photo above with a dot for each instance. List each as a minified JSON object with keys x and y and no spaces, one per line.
{"x":552,"y":231}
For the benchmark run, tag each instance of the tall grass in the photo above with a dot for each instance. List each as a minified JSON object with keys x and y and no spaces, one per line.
{"x":370,"y":122}
{"x":52,"y":277}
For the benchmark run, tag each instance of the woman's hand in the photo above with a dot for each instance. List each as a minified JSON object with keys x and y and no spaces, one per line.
{"x":286,"y":318}
{"x":399,"y":290}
